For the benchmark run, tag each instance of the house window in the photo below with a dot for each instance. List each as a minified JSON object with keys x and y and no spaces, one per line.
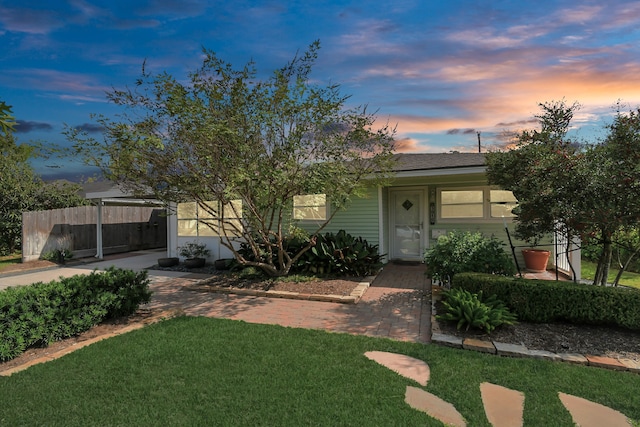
{"x":203,"y":220}
{"x":311,"y":207}
{"x":459,"y":204}
{"x":502,"y":203}
{"x":476,"y":203}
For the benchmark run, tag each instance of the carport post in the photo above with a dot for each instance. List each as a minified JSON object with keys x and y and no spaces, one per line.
{"x":99,"y":253}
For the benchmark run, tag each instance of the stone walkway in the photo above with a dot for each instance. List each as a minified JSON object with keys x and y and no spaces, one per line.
{"x":503,"y":407}
{"x":396,"y":306}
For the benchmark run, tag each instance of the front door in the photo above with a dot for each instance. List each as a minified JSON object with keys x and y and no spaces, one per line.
{"x":406,"y":228}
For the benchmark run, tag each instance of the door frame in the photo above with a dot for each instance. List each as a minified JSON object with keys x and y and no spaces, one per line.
{"x":424,"y":219}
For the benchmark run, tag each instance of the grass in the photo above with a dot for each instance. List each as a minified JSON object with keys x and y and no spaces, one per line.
{"x":8,"y":260}
{"x":628,"y":278}
{"x":202,"y":371}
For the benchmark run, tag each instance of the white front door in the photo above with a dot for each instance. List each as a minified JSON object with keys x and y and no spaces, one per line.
{"x":406,"y":228}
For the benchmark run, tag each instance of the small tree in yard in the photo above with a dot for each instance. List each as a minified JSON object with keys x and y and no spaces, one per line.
{"x":226,"y":136}
{"x":590,"y":191}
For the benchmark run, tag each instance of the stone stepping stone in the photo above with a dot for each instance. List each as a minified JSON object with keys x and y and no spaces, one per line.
{"x":590,"y":414}
{"x":408,"y":367}
{"x":434,"y":407}
{"x":504,"y":407}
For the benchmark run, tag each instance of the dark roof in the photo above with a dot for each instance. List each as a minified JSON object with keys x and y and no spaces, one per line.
{"x":98,"y":187}
{"x":428,"y":161}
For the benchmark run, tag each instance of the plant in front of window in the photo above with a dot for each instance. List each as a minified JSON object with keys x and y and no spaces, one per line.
{"x":195,"y":254}
{"x":225,"y":135}
{"x":466,"y":252}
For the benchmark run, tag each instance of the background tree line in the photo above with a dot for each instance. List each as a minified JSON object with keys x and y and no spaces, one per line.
{"x":21,"y":188}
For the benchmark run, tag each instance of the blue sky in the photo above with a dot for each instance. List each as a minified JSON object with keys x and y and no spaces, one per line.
{"x":442,"y":71}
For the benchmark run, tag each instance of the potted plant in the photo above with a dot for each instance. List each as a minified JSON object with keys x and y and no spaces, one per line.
{"x":195,"y":254}
{"x":168,"y":262}
{"x":535,"y":260}
{"x":223,"y":263}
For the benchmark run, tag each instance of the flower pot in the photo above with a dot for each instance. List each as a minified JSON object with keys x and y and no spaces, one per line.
{"x":168,"y":262}
{"x":536,"y":260}
{"x":222,"y":264}
{"x":194,"y":262}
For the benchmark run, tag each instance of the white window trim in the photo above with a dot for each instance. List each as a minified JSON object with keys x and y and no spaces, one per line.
{"x":486,"y":206}
{"x":327,"y":204}
{"x":201,"y":220}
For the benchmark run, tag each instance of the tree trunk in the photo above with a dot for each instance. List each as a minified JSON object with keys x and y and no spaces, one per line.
{"x":623,"y":267}
{"x":602,"y":272}
{"x":567,"y":249}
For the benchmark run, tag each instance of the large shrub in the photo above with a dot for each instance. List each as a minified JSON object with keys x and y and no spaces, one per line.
{"x":463,"y":251}
{"x":333,"y":254}
{"x":544,"y":301}
{"x":41,"y":313}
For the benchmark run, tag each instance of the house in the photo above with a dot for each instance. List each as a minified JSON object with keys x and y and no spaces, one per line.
{"x":430,"y":195}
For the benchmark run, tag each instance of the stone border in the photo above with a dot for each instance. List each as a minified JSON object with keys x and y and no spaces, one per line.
{"x":517,"y":350}
{"x":353,"y":298}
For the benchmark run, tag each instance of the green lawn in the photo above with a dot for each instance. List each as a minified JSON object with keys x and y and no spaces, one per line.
{"x":628,"y":279}
{"x":200,"y":371}
{"x":9,"y":260}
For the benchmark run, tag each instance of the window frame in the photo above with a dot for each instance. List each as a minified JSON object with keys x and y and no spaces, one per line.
{"x":486,"y":206}
{"x":324,"y":209}
{"x":201,"y":217}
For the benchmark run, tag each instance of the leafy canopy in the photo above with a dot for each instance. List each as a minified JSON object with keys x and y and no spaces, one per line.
{"x":227,"y":135}
{"x":587,"y":191}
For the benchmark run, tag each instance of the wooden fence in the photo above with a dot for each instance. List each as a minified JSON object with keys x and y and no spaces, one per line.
{"x":124,"y":229}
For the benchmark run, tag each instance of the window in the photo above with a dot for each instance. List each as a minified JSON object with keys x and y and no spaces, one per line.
{"x":461,"y":204}
{"x":196,"y":220}
{"x":311,"y":207}
{"x":502,"y":203}
{"x":475,"y":203}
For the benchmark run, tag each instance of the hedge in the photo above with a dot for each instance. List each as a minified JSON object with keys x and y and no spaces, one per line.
{"x":41,"y":313}
{"x":544,"y":301}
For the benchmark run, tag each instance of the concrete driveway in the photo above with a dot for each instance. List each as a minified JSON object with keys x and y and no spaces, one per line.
{"x":135,"y":261}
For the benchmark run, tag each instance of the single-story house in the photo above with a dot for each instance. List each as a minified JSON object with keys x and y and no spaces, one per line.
{"x":430,"y":195}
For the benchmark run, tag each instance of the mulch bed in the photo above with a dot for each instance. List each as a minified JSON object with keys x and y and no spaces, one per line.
{"x":557,"y":337}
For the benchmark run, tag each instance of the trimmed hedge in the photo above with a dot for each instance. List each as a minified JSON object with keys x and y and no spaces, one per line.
{"x":544,"y":301}
{"x":41,"y":313}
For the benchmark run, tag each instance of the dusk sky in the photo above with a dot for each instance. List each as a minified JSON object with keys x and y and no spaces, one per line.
{"x":441,"y":70}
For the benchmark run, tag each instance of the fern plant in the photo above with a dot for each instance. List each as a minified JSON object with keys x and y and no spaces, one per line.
{"x":469,"y":311}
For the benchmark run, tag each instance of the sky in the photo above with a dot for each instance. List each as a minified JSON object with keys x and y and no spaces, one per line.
{"x":441,"y":71}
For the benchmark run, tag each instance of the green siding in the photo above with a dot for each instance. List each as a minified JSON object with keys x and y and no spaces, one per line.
{"x":361,"y":219}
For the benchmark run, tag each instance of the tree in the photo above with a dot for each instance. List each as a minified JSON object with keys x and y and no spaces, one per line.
{"x":7,"y":121}
{"x":227,"y":136}
{"x":615,"y":206}
{"x":590,"y":191}
{"x":21,"y":189}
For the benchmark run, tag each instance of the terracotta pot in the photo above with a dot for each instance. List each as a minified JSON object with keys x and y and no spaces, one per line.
{"x":536,"y":259}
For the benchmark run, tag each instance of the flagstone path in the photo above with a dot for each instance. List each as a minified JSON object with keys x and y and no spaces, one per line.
{"x":503,"y":407}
